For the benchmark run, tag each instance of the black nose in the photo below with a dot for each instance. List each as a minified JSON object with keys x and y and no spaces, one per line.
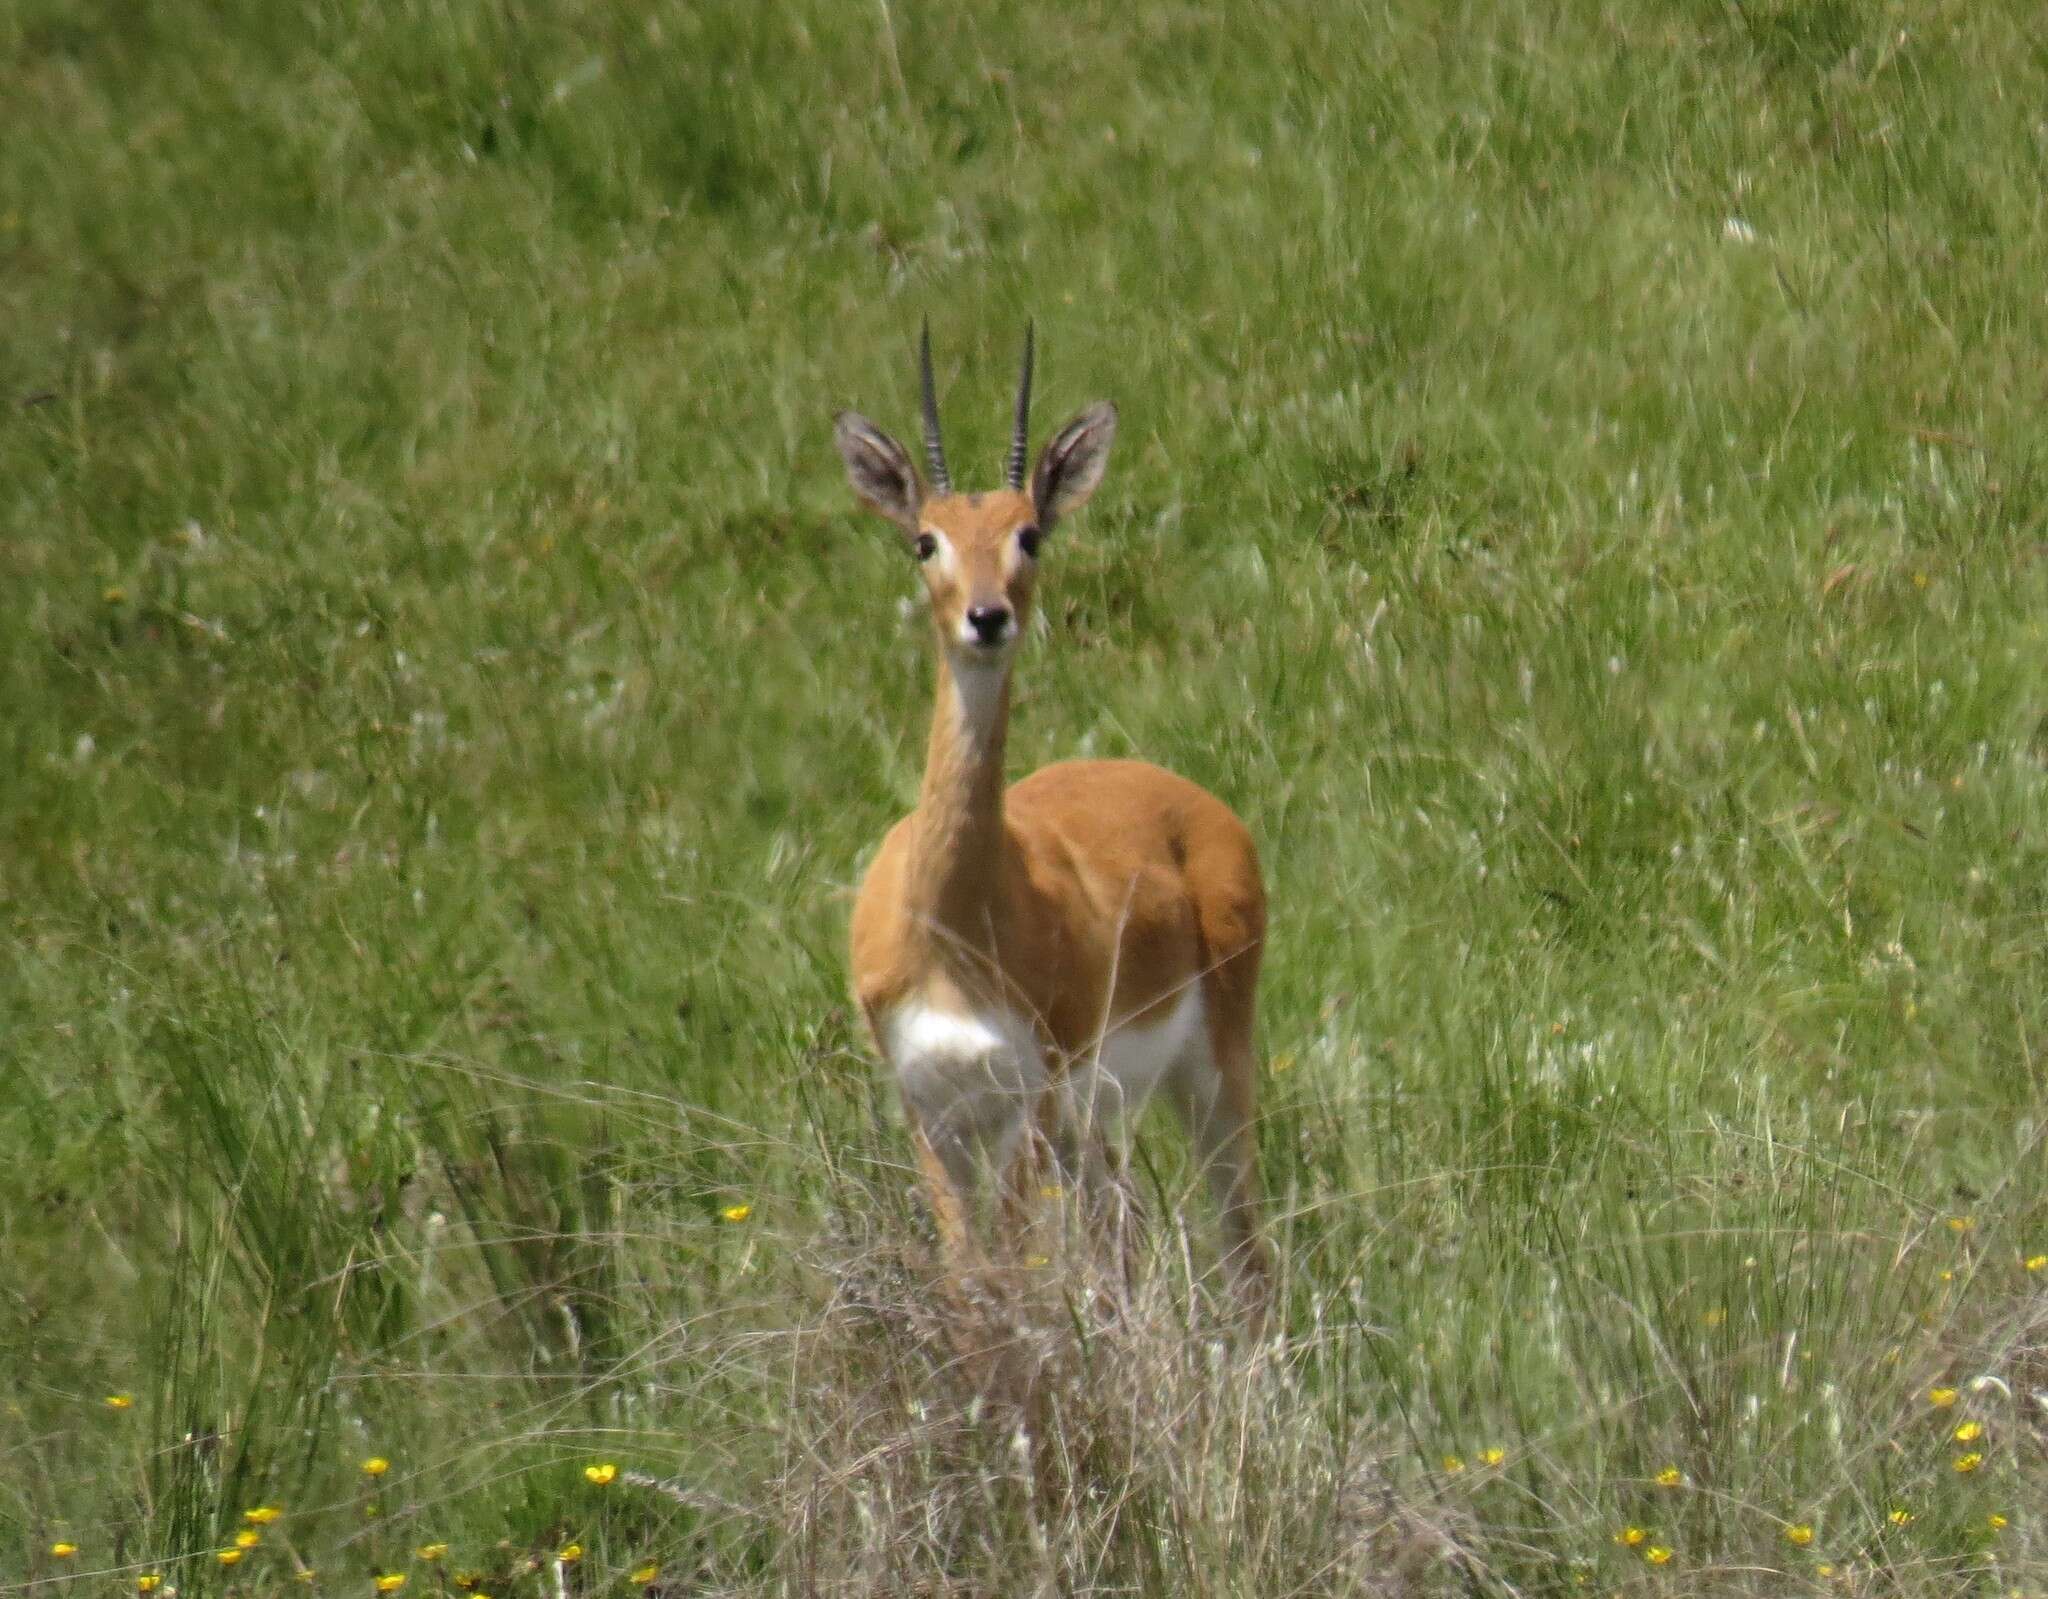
{"x":990,"y":622}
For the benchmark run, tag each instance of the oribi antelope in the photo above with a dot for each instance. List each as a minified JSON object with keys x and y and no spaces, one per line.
{"x":1035,"y":961}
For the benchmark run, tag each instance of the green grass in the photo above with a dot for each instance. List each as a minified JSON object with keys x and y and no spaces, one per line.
{"x":1581,"y":496}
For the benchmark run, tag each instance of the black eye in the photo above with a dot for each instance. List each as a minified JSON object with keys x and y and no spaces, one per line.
{"x":926,"y":546}
{"x":1027,"y":541}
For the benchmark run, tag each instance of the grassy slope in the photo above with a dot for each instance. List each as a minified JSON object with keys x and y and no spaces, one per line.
{"x":1581,"y":497}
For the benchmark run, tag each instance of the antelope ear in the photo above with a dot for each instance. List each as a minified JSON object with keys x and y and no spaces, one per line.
{"x":1072,"y":463}
{"x":879,"y":470}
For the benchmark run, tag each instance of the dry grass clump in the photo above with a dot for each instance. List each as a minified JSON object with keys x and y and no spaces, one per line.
{"x":1044,"y":1428}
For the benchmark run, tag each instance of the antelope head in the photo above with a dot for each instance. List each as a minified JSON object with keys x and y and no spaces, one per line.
{"x":978,"y":553}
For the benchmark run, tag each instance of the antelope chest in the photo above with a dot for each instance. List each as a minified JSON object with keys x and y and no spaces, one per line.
{"x":973,"y":1079}
{"x":970,"y":1079}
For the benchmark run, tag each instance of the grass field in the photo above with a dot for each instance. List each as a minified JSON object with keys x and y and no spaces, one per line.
{"x":1581,"y":496}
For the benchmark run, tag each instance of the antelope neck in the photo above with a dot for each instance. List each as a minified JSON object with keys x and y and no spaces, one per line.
{"x":955,"y":870}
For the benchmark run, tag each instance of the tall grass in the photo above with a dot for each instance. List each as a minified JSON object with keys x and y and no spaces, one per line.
{"x":1580,"y":497}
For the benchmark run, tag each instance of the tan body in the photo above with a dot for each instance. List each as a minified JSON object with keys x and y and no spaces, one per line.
{"x":1121,"y":886}
{"x":1035,"y":962}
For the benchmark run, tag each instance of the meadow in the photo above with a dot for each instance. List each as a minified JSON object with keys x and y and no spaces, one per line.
{"x":1582,"y":498}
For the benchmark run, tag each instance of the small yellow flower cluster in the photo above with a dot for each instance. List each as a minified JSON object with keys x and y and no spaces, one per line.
{"x":376,"y":1466}
{"x":391,"y":1582}
{"x":603,"y":1474}
{"x":1670,"y":1477}
{"x":1634,"y":1537}
{"x":737,"y":1212}
{"x":1799,"y":1535}
{"x":431,"y":1552}
{"x":1899,"y":1516}
{"x":263,"y":1515}
{"x":62,"y":1550}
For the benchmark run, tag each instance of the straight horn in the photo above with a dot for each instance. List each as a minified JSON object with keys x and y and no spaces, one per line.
{"x":1020,"y":448}
{"x":934,"y":446}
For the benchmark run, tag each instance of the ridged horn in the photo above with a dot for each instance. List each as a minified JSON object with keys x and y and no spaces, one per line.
{"x":1020,"y":436}
{"x":934,"y":446}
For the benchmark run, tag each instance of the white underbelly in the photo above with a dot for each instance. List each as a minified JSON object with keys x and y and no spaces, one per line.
{"x":1114,"y":1081}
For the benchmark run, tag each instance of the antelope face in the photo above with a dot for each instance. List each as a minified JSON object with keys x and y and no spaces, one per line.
{"x":978,"y":552}
{"x":979,"y":557}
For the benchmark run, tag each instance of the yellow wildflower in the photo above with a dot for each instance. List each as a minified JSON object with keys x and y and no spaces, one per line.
{"x":376,"y":1466}
{"x":644,"y":1576}
{"x":737,"y":1212}
{"x":149,"y":1582}
{"x":391,"y":1582}
{"x":1961,"y":1224}
{"x":1657,"y":1555}
{"x":227,"y":1557}
{"x":1670,"y":1477}
{"x":1900,"y":1517}
{"x":1799,"y":1536}
{"x":1941,"y":1398}
{"x":248,"y":1538}
{"x":125,"y":1401}
{"x":1453,"y":1465}
{"x":1996,"y":1522}
{"x":1825,"y":1569}
{"x":431,"y":1551}
{"x":1970,"y":1462}
{"x":2037,"y":1262}
{"x":1493,"y":1457}
{"x":603,"y":1475}
{"x":466,"y":1580}
{"x":1630,"y":1537}
{"x":63,"y":1551}
{"x":263,"y":1515}
{"x":113,"y":594}
{"x":569,"y":1554}
{"x":1969,"y":1432}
